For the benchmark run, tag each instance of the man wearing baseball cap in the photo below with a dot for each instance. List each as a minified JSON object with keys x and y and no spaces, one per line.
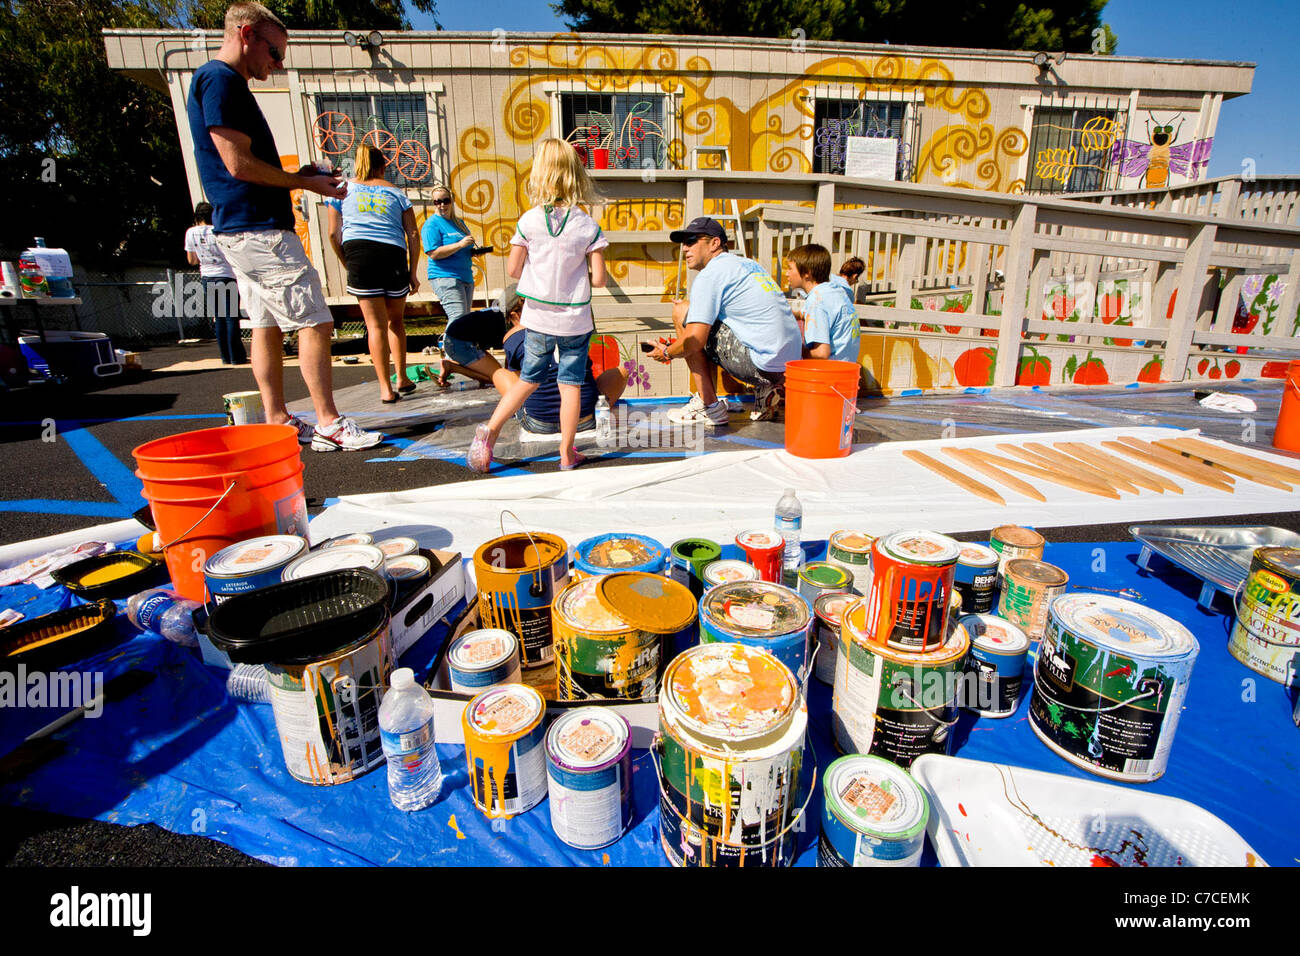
{"x":736,"y":319}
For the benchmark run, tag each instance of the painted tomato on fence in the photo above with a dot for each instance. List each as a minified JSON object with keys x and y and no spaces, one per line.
{"x":1151,"y":372}
{"x":1090,"y":372}
{"x":1034,"y":369}
{"x":975,"y":367}
{"x":1273,"y":370}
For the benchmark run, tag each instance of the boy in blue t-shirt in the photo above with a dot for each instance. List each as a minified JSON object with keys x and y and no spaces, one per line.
{"x":831,"y":327}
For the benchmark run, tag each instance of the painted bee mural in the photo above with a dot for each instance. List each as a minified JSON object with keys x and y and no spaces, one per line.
{"x":1154,"y":160}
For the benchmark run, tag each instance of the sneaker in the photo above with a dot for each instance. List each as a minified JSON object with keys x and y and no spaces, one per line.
{"x":305,"y":432}
{"x":480,"y":450}
{"x":695,"y":412}
{"x":344,"y":435}
{"x":767,"y":401}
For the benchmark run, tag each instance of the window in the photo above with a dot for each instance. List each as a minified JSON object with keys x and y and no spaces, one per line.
{"x":395,"y":122}
{"x":1070,"y":149}
{"x":617,"y":130}
{"x":835,"y":120}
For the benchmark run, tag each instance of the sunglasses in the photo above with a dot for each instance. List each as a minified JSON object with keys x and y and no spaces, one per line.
{"x":691,"y":240}
{"x":276,"y":54}
{"x":442,"y":202}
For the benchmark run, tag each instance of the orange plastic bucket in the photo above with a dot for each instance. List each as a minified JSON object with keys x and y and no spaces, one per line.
{"x":1287,"y":433}
{"x":821,"y":398}
{"x":219,"y":489}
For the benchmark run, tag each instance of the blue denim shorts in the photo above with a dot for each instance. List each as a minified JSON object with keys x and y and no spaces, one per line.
{"x":539,"y":351}
{"x":460,"y":351}
{"x":454,"y":295}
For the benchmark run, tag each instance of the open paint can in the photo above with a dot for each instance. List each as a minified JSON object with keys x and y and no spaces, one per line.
{"x":607,"y":553}
{"x":505,"y":750}
{"x":818,"y":577}
{"x":689,"y":557}
{"x":873,"y":814}
{"x":589,"y":774}
{"x":250,"y":565}
{"x":519,"y":577}
{"x":1109,"y":685}
{"x":911,"y":589}
{"x":996,"y":664}
{"x":1266,"y":634}
{"x":488,"y":657}
{"x":729,"y":752}
{"x":759,"y":614}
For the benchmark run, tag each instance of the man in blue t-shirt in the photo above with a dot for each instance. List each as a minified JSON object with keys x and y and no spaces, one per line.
{"x":736,"y":319}
{"x":252,"y":221}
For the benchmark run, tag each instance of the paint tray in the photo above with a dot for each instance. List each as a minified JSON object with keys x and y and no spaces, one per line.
{"x":138,"y":572}
{"x":990,"y":814}
{"x":58,"y":640}
{"x":1219,"y":556}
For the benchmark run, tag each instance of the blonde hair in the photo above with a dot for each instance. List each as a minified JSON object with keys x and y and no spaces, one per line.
{"x":250,"y":14}
{"x":370,"y":162}
{"x":558,"y":177}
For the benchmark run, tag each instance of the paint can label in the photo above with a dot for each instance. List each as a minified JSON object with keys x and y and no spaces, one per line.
{"x":1028,"y":589}
{"x":505,"y":751}
{"x":1266,"y":634}
{"x":910,"y":594}
{"x":589,"y":771}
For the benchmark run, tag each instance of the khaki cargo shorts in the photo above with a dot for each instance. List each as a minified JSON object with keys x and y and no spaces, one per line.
{"x":278,"y":285}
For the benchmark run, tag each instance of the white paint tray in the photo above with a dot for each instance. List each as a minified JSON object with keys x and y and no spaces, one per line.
{"x":991,"y":814}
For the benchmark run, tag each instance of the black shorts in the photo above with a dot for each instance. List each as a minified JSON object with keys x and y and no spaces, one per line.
{"x":377,"y":269}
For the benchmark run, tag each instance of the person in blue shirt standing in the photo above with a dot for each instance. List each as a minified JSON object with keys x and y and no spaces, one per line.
{"x":831,"y":326}
{"x":239,"y":166}
{"x":736,"y":319}
{"x":373,"y":233}
{"x":447,"y":243}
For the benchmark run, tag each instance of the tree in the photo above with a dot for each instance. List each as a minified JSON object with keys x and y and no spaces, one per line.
{"x":989,"y":24}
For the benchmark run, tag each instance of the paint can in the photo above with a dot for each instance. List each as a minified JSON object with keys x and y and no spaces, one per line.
{"x":408,"y":574}
{"x":976,"y":578}
{"x":1012,"y":541}
{"x":519,"y":577}
{"x":997,"y":660}
{"x":759,"y":614}
{"x":398,"y":547}
{"x":1109,"y":685}
{"x":488,"y":657}
{"x":325,"y":644}
{"x":828,"y":611}
{"x":249,"y":565}
{"x":911,"y":589}
{"x":612,"y":631}
{"x":687,"y":560}
{"x":727,"y":570}
{"x":1266,"y":634}
{"x":336,"y":559}
{"x":851,"y":550}
{"x":818,"y":577}
{"x":606,"y":553}
{"x":764,"y":550}
{"x":894,"y":703}
{"x":243,"y":408}
{"x":505,"y":750}
{"x":1028,"y":588}
{"x":729,"y":752}
{"x":338,"y":541}
{"x":589,"y":777}
{"x":873,"y":814}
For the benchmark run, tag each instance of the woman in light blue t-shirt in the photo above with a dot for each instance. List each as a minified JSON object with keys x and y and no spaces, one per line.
{"x":448,"y":244}
{"x":372,"y":230}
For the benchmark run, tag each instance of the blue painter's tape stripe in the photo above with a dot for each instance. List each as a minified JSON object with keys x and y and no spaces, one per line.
{"x":1133,"y":385}
{"x":752,"y":442}
{"x":398,"y":458}
{"x":911,"y":391}
{"x":121,"y":483}
{"x":95,"y":509}
{"x":976,"y":391}
{"x":930,"y":421}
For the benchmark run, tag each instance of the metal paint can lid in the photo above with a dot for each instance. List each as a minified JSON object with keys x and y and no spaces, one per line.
{"x":408,"y":566}
{"x":822,"y":575}
{"x":337,"y":559}
{"x":1029,"y":571}
{"x":397,"y":547}
{"x":588,"y":739}
{"x":729,"y":691}
{"x":728,"y":570}
{"x":855,"y":543}
{"x":760,"y":540}
{"x":255,"y":555}
{"x":920,"y":547}
{"x":830,"y":607}
{"x":343,"y":540}
{"x":977,"y":556}
{"x":619,"y":552}
{"x":875,"y":797}
{"x":507,"y":711}
{"x":756,"y":608}
{"x":1017,"y":536}
{"x":578,"y":606}
{"x":1126,"y":627}
{"x":1285,"y":561}
{"x":483,"y":650}
{"x":648,"y":602}
{"x":994,"y":635}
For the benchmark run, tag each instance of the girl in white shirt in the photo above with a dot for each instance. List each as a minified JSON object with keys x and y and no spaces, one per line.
{"x":553,"y":246}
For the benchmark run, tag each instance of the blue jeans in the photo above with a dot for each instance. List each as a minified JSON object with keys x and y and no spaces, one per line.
{"x":460,"y":351}
{"x":454,"y":295}
{"x":221,"y":298}
{"x":539,"y":349}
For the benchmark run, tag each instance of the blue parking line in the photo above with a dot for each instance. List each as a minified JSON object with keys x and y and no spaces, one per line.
{"x":120,"y":481}
{"x":94,"y":509}
{"x":752,"y":442}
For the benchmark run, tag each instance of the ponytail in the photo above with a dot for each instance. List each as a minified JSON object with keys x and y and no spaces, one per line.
{"x":370,"y":162}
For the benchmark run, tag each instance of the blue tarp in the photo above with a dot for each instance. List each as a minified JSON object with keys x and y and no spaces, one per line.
{"x":182,"y":755}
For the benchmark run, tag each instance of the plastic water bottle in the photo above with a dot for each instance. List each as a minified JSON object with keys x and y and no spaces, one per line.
{"x":604,"y":420}
{"x":249,"y":682}
{"x":789,"y":523}
{"x":406,"y":731}
{"x":166,"y":613}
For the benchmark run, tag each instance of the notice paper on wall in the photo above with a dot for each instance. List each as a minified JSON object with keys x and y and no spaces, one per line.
{"x":871,"y":157}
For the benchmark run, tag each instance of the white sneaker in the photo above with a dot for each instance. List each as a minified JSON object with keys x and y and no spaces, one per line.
{"x":695,"y":412}
{"x":344,"y":435}
{"x":767,"y":400}
{"x":305,"y":432}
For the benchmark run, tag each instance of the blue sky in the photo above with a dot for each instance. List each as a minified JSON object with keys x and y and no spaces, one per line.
{"x":1261,"y":126}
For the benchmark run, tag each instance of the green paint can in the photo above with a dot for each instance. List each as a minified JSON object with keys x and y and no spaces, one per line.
{"x":689,"y":557}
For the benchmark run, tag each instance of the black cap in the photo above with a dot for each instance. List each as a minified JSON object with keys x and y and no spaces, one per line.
{"x":703,"y":226}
